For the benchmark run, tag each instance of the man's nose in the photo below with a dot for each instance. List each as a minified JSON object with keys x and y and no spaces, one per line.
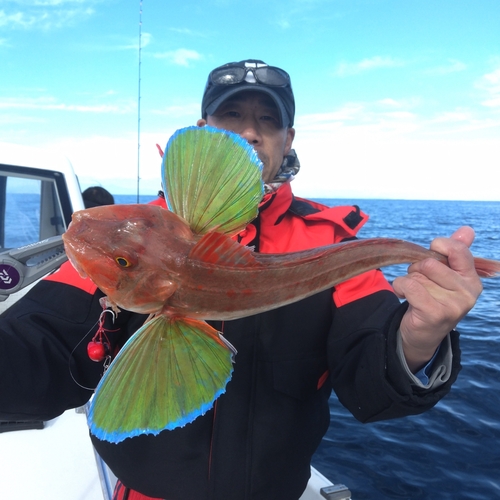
{"x":251,"y":133}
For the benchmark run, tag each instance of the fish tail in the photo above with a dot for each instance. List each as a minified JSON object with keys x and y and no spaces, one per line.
{"x":487,"y":268}
{"x":168,"y":373}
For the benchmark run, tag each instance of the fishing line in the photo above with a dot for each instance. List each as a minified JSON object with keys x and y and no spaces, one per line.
{"x":139,"y":102}
{"x":107,"y":361}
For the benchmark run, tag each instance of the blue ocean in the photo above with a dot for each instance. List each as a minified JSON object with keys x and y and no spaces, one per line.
{"x":453,"y":450}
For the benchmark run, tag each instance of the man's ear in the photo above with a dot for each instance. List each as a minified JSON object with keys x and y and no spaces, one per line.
{"x":290,"y":135}
{"x":201,"y":122}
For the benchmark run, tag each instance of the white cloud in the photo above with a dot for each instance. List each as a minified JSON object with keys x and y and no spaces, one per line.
{"x":490,"y":85}
{"x":402,"y":118}
{"x":179,"y":111}
{"x":453,"y":117}
{"x":187,"y":31}
{"x":181,"y":57}
{"x":357,"y":164}
{"x":45,"y":14}
{"x":390,"y":102}
{"x":373,"y":63}
{"x":116,"y":43}
{"x":17,"y":19}
{"x":358,"y":151}
{"x":453,"y":66}
{"x":383,"y":116}
{"x":493,"y":79}
{"x":112,"y":161}
{"x":393,"y":149}
{"x":131,"y":44}
{"x":492,"y":103}
{"x":48,"y":3}
{"x":283,"y":24}
{"x":346,"y":113}
{"x":51,"y":104}
{"x":9,"y":120}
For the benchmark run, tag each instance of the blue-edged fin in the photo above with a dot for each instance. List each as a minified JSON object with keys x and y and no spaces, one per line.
{"x":168,"y":373}
{"x":212,"y":178}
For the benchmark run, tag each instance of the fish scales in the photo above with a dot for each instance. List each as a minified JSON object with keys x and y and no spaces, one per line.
{"x":218,"y":292}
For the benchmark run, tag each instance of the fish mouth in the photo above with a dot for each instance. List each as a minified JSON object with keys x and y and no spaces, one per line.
{"x":72,"y":254}
{"x":76,"y":246}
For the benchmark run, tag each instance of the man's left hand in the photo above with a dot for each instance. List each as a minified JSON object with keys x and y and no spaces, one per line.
{"x":439,"y":296}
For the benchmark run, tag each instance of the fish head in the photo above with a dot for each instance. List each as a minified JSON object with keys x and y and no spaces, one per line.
{"x":133,"y":253}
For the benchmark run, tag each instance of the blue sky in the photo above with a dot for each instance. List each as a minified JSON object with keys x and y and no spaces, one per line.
{"x":395,"y":98}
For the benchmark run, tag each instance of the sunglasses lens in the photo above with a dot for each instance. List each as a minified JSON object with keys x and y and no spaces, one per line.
{"x":271,"y":76}
{"x":228,"y":76}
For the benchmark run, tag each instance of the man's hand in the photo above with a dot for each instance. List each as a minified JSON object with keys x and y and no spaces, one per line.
{"x":439,"y":296}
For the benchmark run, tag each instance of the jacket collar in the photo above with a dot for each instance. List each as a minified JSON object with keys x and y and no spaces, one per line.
{"x":274,"y":205}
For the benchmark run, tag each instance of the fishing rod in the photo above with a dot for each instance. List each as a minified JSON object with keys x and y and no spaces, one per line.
{"x":139,"y":104}
{"x":20,"y":267}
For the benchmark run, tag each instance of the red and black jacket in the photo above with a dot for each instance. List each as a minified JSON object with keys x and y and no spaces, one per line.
{"x":258,"y":440}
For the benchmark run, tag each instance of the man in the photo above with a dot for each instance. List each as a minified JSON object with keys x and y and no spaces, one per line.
{"x":96,"y":196}
{"x":383,"y":359}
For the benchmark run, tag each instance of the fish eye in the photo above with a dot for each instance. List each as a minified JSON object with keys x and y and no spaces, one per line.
{"x":123,"y":262}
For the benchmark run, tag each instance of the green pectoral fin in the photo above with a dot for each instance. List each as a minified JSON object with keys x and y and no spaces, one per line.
{"x":167,"y":374}
{"x":212,"y":178}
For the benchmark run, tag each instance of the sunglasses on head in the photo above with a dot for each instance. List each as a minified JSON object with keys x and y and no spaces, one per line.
{"x":266,"y":75}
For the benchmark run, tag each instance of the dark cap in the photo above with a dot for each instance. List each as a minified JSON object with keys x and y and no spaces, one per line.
{"x":251,"y":74}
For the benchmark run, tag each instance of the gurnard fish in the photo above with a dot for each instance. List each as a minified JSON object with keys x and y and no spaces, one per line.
{"x":183,"y":267}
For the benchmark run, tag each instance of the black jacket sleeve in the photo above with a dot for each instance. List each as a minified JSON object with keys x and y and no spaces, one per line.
{"x":44,"y":366}
{"x":366,"y":372}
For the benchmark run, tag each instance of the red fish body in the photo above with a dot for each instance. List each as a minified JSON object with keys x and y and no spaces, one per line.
{"x":147,"y":259}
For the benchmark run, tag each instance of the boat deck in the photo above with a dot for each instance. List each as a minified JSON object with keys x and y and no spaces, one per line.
{"x":58,"y":462}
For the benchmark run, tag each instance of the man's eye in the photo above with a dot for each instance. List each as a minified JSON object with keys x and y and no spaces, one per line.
{"x":271,"y":120}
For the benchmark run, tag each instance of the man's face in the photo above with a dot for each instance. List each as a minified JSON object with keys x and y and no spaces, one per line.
{"x":254,"y":116}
